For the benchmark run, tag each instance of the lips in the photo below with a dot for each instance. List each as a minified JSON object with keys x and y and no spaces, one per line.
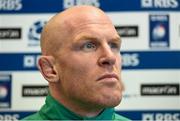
{"x":108,"y":76}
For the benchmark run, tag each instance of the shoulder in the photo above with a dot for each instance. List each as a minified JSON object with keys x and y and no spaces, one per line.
{"x":120,"y":118}
{"x":35,"y":116}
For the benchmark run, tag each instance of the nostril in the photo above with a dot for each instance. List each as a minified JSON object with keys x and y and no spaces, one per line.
{"x":105,"y":63}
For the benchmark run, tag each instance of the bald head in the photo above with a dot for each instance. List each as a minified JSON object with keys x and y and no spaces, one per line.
{"x":62,"y":26}
{"x":80,"y":45}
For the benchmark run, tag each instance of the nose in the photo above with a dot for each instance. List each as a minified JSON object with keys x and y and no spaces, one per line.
{"x":107,"y":58}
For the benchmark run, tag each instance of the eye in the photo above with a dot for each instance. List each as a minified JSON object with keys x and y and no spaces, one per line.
{"x":114,"y":46}
{"x":89,"y":46}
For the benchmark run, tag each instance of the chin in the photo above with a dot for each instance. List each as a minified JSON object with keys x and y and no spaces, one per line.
{"x":111,"y":101}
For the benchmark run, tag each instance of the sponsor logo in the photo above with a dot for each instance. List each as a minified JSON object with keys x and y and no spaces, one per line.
{"x":160,"y":89}
{"x":30,"y":61}
{"x":10,"y":33}
{"x":11,"y":5}
{"x":35,"y":32}
{"x":130,"y":59}
{"x":159,"y":3}
{"x":9,"y":117}
{"x":127,"y":31}
{"x":159,"y":31}
{"x":70,"y":3}
{"x":5,"y":91}
{"x":14,"y":115}
{"x":34,"y":90}
{"x":160,"y":116}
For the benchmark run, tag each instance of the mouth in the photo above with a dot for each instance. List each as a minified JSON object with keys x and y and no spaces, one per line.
{"x":109,"y":78}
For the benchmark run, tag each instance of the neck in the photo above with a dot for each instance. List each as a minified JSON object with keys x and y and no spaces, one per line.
{"x":78,"y":108}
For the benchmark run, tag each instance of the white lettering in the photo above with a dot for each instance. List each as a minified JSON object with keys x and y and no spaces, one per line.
{"x":174,"y":3}
{"x":10,"y":5}
{"x":29,"y":61}
{"x":130,"y":59}
{"x":8,"y":117}
{"x":159,"y":3}
{"x":146,"y":3}
{"x":159,"y":18}
{"x":167,"y":117}
{"x":37,"y":91}
{"x":71,"y":3}
{"x":161,"y":117}
{"x":165,"y":4}
{"x":147,"y":117}
{"x":68,"y":3}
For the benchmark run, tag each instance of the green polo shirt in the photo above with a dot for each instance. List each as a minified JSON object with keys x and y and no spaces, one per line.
{"x":53,"y":110}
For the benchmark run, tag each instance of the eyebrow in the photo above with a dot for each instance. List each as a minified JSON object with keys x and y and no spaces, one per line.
{"x":85,"y":37}
{"x":116,"y":38}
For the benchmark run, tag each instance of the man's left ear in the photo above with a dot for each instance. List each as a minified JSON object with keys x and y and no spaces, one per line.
{"x":46,"y":65}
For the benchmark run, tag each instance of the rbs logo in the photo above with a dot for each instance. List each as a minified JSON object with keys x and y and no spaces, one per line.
{"x":161,"y":117}
{"x":70,"y":3}
{"x":159,"y":3}
{"x":9,"y":117}
{"x":130,"y":59}
{"x":10,"y":5}
{"x":30,"y":61}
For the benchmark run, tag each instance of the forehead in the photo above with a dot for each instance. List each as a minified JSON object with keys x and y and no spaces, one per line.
{"x":90,"y":25}
{"x":74,"y":19}
{"x":95,"y":30}
{"x":86,"y":23}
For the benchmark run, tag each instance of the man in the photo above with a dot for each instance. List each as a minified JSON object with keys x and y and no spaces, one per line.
{"x":81,"y":61}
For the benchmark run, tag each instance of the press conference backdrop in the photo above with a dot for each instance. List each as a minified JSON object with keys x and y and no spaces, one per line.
{"x":150,"y":31}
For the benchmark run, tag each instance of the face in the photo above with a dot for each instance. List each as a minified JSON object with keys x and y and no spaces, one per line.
{"x":89,"y":64}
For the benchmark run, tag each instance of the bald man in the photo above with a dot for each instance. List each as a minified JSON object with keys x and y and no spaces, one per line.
{"x":82,"y":63}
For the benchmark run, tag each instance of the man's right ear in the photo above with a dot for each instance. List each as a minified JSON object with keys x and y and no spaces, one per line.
{"x":46,"y":65}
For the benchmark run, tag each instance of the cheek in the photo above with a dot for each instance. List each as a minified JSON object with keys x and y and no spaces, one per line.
{"x":119,"y":59}
{"x":76,"y":79}
{"x":73,"y":72}
{"x":119,"y":62}
{"x":77,"y":65}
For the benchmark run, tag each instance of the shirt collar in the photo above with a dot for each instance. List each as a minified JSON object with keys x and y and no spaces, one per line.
{"x":56,"y":111}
